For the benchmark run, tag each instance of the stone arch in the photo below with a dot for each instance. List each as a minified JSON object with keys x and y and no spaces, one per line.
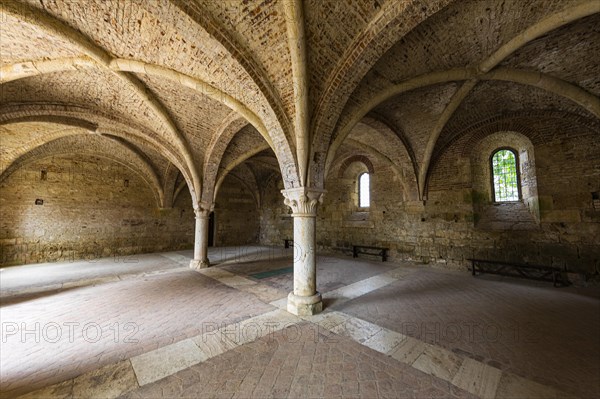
{"x":179,"y":189}
{"x":64,"y":146}
{"x":241,"y":55}
{"x":82,"y":117}
{"x":375,"y":154}
{"x":275,"y":134}
{"x":282,"y":149}
{"x":535,"y":79}
{"x":473,"y":75}
{"x":77,"y":116}
{"x":275,"y":138}
{"x":516,"y":122}
{"x":385,"y":29}
{"x":513,"y":122}
{"x":97,"y":57}
{"x":489,"y":212}
{"x":356,"y":158}
{"x":484,"y":70}
{"x":227,"y":131}
{"x":223,"y":172}
{"x":395,"y":134}
{"x":246,"y":182}
{"x":8,"y":158}
{"x":170,"y":178}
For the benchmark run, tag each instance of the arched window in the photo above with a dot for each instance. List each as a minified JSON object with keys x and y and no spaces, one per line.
{"x":364,"y":190}
{"x":505,"y":175}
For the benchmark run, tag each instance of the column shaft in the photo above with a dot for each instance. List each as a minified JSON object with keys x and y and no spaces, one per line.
{"x":305,"y":274}
{"x":200,"y":260}
{"x":304,"y":300}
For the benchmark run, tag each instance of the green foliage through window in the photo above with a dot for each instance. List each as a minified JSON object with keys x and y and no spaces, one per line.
{"x":504,"y":172}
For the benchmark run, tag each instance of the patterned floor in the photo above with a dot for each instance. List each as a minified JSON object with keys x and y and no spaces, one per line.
{"x":389,"y":330}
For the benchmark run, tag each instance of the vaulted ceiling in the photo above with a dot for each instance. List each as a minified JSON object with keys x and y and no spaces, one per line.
{"x":185,"y":91}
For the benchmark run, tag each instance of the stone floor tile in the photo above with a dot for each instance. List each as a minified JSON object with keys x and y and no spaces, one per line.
{"x":338,"y":295}
{"x":135,"y":315}
{"x":328,"y":320}
{"x":349,"y":292}
{"x":438,"y":362}
{"x":213,"y":343}
{"x":385,"y":341}
{"x":508,"y":324}
{"x":110,"y":381}
{"x":280,"y":303}
{"x":499,"y":324}
{"x":257,"y":327}
{"x":357,"y":329}
{"x":477,"y":378}
{"x":408,"y":350}
{"x":178,"y":258}
{"x":165,"y":361}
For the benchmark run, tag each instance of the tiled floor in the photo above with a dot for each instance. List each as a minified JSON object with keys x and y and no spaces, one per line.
{"x":332,"y":272}
{"x":546,"y":334}
{"x":389,"y":330}
{"x":301,"y":363}
{"x":83,"y":328}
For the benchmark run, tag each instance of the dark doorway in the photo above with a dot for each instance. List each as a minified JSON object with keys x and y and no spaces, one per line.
{"x":211,"y":229}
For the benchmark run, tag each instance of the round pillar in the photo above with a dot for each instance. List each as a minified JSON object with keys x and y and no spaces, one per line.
{"x":200,"y":260}
{"x":304,"y":300}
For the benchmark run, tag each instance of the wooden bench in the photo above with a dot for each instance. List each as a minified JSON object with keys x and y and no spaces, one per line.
{"x":367,"y":250}
{"x":533,"y":272}
{"x":287,"y":241}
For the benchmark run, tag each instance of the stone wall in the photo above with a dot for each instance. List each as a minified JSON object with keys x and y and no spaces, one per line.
{"x":521,"y":215}
{"x":276,"y":223}
{"x":236,"y":218}
{"x":92,"y":208}
{"x":445,"y":230}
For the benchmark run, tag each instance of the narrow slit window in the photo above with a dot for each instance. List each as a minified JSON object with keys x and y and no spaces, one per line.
{"x":505,"y":176}
{"x":364,"y":191}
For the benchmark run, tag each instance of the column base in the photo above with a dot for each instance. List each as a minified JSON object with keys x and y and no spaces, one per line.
{"x":304,"y":305}
{"x":198,"y":264}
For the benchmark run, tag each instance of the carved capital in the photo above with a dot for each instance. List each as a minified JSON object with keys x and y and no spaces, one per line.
{"x":304,"y":201}
{"x":203,"y":210}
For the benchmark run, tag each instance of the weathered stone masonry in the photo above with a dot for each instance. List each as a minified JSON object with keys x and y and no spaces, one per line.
{"x":92,"y":208}
{"x":446,"y":230}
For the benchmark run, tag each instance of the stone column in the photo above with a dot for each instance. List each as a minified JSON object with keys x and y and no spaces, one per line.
{"x":200,"y":260}
{"x":304,"y":300}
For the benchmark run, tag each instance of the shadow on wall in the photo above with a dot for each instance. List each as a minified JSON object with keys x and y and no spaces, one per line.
{"x":236,"y":214}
